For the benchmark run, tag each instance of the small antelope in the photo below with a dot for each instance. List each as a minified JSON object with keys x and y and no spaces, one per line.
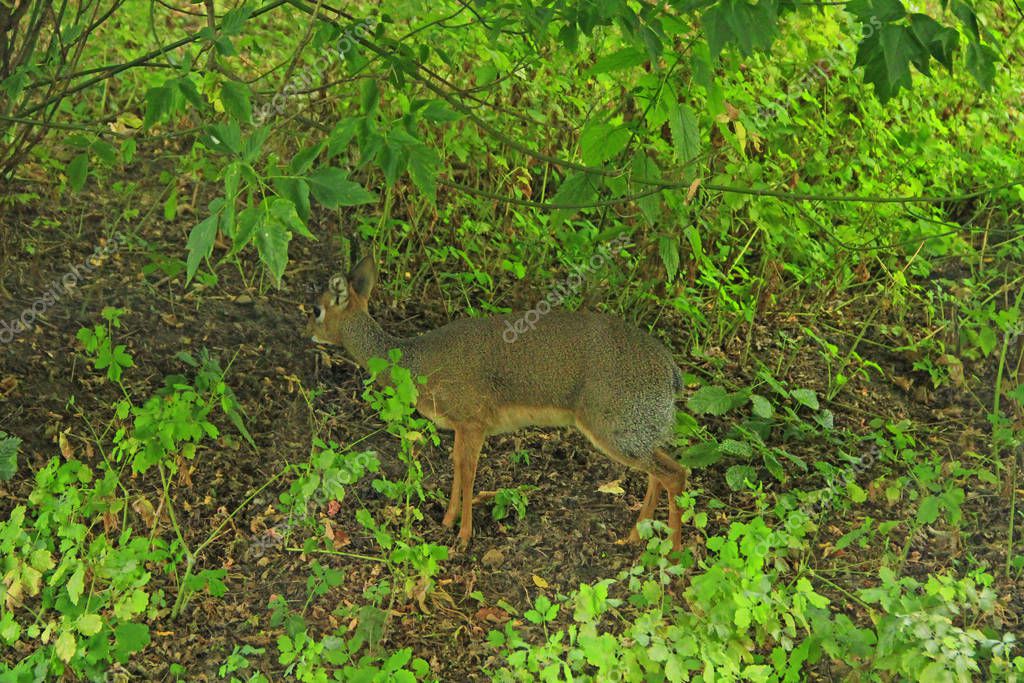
{"x":614,"y":383}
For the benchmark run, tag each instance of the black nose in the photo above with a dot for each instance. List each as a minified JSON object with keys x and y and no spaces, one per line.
{"x":316,"y":311}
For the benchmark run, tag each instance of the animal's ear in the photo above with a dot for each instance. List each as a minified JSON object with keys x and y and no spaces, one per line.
{"x":364,"y":276}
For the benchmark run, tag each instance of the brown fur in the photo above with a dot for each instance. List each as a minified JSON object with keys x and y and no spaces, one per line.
{"x":614,"y":383}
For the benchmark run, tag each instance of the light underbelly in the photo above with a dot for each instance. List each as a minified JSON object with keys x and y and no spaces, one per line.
{"x":512,"y":418}
{"x":506,"y":419}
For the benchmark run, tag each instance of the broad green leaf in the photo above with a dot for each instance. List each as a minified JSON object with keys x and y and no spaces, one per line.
{"x":601,"y":142}
{"x":130,"y":638}
{"x":737,"y":476}
{"x":928,"y":510}
{"x":740,"y":449}
{"x":8,"y":455}
{"x":668,"y":249}
{"x":341,"y":136}
{"x":702,"y":455}
{"x":369,"y":95}
{"x":856,"y":493}
{"x":423,"y":168}
{"x":623,"y":59}
{"x":235,"y":98}
{"x":438,"y":111}
{"x":295,"y":190}
{"x":225,"y":137}
{"x":965,"y":13}
{"x":284,"y":211}
{"x":576,"y":189}
{"x":301,"y":162}
{"x":271,"y":236}
{"x":89,"y":624}
{"x":332,"y":188}
{"x":76,"y":584}
{"x":710,"y":400}
{"x":806,"y":397}
{"x":749,"y":27}
{"x":10,"y":630}
{"x":981,"y":63}
{"x":159,"y":103}
{"x":78,"y":170}
{"x":682,"y":122}
{"x":65,"y":647}
{"x":200,"y":244}
{"x":761,"y":406}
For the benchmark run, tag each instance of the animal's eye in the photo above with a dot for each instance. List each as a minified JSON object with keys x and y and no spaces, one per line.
{"x":318,"y":313}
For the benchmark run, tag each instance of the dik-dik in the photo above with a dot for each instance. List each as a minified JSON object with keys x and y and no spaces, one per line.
{"x":614,"y":383}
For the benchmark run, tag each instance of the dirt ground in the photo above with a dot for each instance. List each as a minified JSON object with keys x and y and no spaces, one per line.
{"x":571,"y":529}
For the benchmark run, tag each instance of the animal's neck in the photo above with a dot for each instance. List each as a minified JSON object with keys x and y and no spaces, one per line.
{"x":365,"y":339}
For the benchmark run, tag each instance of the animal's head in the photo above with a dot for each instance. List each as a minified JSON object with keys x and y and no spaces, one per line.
{"x":345,"y":298}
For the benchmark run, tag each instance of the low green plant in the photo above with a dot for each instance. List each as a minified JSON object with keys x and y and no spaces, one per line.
{"x":509,"y":500}
{"x":98,"y":343}
{"x":73,"y":589}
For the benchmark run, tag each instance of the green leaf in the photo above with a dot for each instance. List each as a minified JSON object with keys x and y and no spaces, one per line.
{"x":295,"y":190}
{"x":341,"y":136}
{"x":271,"y":237}
{"x":423,"y":169}
{"x":129,"y":638}
{"x":941,"y":41}
{"x":928,"y":511}
{"x":284,"y":211}
{"x":78,"y":170}
{"x":737,"y":476}
{"x":710,"y":400}
{"x":159,"y":103}
{"x":235,"y":98}
{"x":740,"y":449}
{"x":438,"y":111}
{"x":886,"y":56}
{"x":332,"y":188}
{"x":965,"y":13}
{"x":224,"y":137}
{"x":89,"y":624}
{"x":702,"y":455}
{"x":65,"y":646}
{"x":601,"y":142}
{"x":874,"y":11}
{"x":668,"y":249}
{"x":369,"y":95}
{"x":200,"y":244}
{"x":682,"y":121}
{"x":761,"y":406}
{"x":749,"y":27}
{"x":856,"y":493}
{"x":806,"y":397}
{"x":76,"y":584}
{"x":301,"y":162}
{"x":8,"y":456}
{"x":577,"y":188}
{"x":981,"y":63}
{"x":623,"y":59}
{"x":10,"y":630}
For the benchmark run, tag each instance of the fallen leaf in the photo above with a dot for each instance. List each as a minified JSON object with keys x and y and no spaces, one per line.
{"x":65,"y":446}
{"x":613,"y":487}
{"x":539,"y":582}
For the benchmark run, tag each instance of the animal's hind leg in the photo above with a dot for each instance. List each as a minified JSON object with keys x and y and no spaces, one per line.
{"x":452,"y":513}
{"x":648,"y":507}
{"x":662,"y":471}
{"x":674,"y":478}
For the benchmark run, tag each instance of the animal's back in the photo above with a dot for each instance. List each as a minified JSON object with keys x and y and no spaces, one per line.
{"x":503,"y":369}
